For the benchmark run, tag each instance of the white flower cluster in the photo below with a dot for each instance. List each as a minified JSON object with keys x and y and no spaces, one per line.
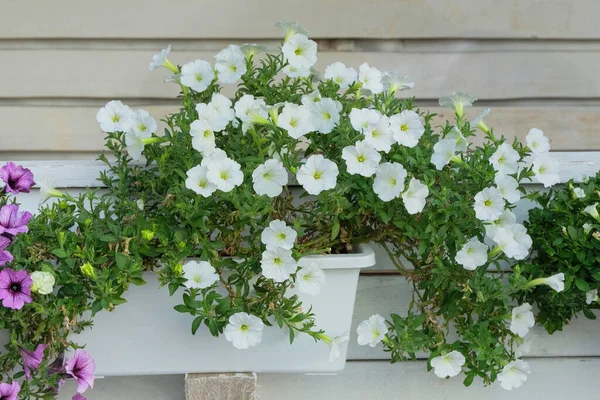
{"x":138,"y":125}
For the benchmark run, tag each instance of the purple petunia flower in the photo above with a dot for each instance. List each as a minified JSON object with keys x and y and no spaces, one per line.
{"x":9,"y":391}
{"x":5,"y":255}
{"x":82,"y":368}
{"x":32,"y":359}
{"x":78,"y":396}
{"x":17,"y":178}
{"x":15,"y":289}
{"x":12,"y":221}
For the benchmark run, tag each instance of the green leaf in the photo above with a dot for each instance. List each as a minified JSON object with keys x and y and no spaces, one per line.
{"x":582,"y":284}
{"x":108,"y":238}
{"x":182,"y":308}
{"x":336,"y":230}
{"x":122,"y":260}
{"x":196,"y":324}
{"x":60,"y":253}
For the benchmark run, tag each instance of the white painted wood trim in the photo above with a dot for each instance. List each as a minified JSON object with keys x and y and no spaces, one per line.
{"x":83,"y":173}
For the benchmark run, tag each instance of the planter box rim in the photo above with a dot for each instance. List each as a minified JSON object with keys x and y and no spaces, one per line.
{"x":363,"y":258}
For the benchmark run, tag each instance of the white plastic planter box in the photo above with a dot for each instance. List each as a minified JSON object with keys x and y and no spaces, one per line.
{"x":147,"y":336}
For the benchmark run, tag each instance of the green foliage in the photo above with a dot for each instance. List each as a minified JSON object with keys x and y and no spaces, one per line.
{"x":565,"y":239}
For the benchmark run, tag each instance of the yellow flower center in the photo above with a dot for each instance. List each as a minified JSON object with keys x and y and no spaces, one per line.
{"x":487,"y":203}
{"x":361,"y":158}
{"x":224,"y":175}
{"x":317,"y":175}
{"x":244,"y":328}
{"x":404,"y":127}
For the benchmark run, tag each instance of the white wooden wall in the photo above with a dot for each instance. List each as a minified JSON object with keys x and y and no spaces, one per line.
{"x":535,"y":62}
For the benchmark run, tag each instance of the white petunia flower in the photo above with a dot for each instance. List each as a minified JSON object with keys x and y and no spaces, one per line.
{"x":524,"y":345}
{"x":478,"y":121}
{"x":514,"y":374}
{"x":142,"y":124}
{"x":371,"y":331}
{"x":472,"y":255}
{"x":458,"y":101}
{"x":294,"y":72}
{"x":340,"y":74}
{"x":448,"y":365}
{"x":278,"y":234}
{"x":317,"y":174}
{"x":42,"y":282}
{"x":593,"y":211}
{"x":310,"y":99}
{"x":160,"y":59}
{"x":381,"y":136}
{"x":407,"y":128}
{"x":336,"y":345}
{"x":299,"y":51}
{"x":199,"y":275}
{"x":546,"y":170}
{"x":278,"y":264}
{"x":489,"y":204}
{"x":389,"y":180}
{"x":269,"y":178}
{"x":251,"y":49}
{"x":114,"y":117}
{"x":135,"y":143}
{"x":247,"y":105}
{"x":203,"y":138}
{"x":230,"y":64}
{"x":461,"y":142}
{"x":587,"y":228}
{"x":198,"y":182}
{"x":415,"y":196}
{"x":361,"y":158}
{"x":219,"y":112}
{"x":505,"y":159}
{"x":310,"y":278}
{"x":290,"y":29}
{"x":578,"y":193}
{"x":556,"y":282}
{"x":364,"y":120}
{"x":225,"y":174}
{"x":507,"y":219}
{"x":508,"y":188}
{"x":140,"y":204}
{"x":370,"y":77}
{"x":522,"y":320}
{"x":216,"y":154}
{"x":197,"y":75}
{"x":513,"y":241}
{"x":394,"y":81}
{"x":537,"y":142}
{"x":244,"y":330}
{"x":325,"y":115}
{"x":48,"y":190}
{"x":443,"y":151}
{"x":591,"y":296}
{"x":297,"y":120}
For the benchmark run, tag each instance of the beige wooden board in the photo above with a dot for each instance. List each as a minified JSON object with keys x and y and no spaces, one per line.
{"x":550,"y":379}
{"x":74,"y":129}
{"x":124,"y":74}
{"x":323,"y":18}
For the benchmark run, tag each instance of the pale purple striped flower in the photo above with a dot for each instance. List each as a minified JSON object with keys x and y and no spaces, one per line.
{"x":13,"y":222}
{"x":15,"y":289}
{"x":5,"y":255}
{"x":32,"y":359}
{"x":78,"y":396}
{"x":17,"y":178}
{"x":9,"y":391}
{"x":82,"y":368}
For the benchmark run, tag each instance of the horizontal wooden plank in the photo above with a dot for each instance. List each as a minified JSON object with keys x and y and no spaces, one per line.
{"x":551,"y":379}
{"x":387,"y":294}
{"x":323,"y":18}
{"x":490,"y":75}
{"x":74,"y":129}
